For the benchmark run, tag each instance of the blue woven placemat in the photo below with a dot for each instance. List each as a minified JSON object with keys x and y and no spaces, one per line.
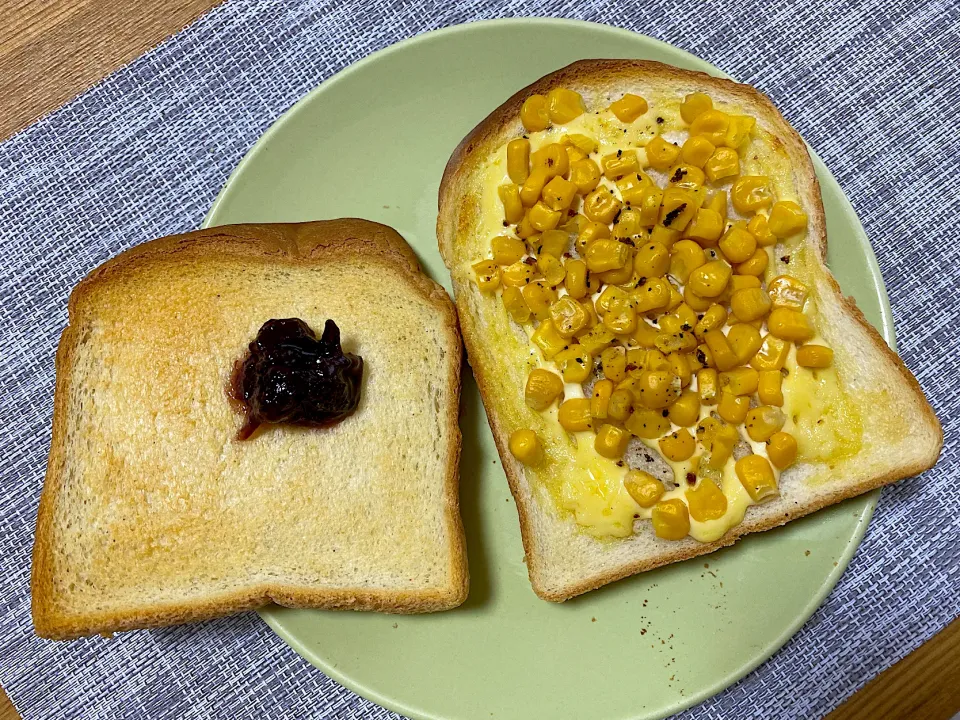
{"x":872,"y":86}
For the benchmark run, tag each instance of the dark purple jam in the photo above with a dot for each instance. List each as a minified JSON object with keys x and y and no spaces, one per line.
{"x":289,"y":376}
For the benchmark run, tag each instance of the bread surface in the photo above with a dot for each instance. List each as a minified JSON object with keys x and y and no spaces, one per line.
{"x":902,"y":435}
{"x":153,"y":512}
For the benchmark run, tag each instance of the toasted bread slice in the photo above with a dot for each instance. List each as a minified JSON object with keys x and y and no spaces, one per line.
{"x":154,"y":513}
{"x":901,"y":436}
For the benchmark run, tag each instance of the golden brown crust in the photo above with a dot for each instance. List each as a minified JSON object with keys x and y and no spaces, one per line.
{"x":308,"y":243}
{"x":503,"y":124}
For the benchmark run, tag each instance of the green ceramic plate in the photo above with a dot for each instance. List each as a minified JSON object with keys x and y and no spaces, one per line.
{"x":372,"y":142}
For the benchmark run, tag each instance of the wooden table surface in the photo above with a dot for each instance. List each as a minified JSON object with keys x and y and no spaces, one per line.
{"x":52,"y":51}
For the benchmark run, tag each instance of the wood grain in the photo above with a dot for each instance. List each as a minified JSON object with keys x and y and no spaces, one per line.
{"x":52,"y":51}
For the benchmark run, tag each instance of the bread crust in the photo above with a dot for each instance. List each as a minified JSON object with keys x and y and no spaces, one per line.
{"x":310,"y":243}
{"x":454,"y":222}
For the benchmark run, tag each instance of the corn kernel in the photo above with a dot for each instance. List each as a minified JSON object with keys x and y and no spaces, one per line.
{"x":651,"y":198}
{"x":739,"y":130}
{"x":553,"y":242}
{"x":620,"y":276}
{"x":715,"y":317}
{"x":631,"y":187}
{"x":533,"y":186}
{"x":512,"y":206}
{"x":575,"y":280}
{"x":763,"y":421}
{"x":709,"y":280}
{"x":600,"y":400}
{"x":787,"y":292}
{"x":658,"y":388}
{"x":542,"y":217}
{"x":590,"y":232}
{"x":685,"y":411}
{"x":660,"y":154}
{"x":621,"y":321}
{"x":628,"y":224}
{"x":596,"y":339}
{"x":629,"y":107}
{"x":694,"y":105}
{"x":676,"y":299}
{"x":814,"y":356}
{"x":686,"y":176}
{"x":601,"y":206}
{"x":770,"y":389}
{"x":750,"y":304}
{"x":613,"y":360}
{"x":706,"y":227}
{"x":551,"y":159}
{"x":646,"y":334}
{"x":677,"y":208}
{"x":525,"y":229}
{"x":663,"y":235}
{"x":525,"y":447}
{"x":723,"y":355}
{"x":583,"y":143}
{"x":552,"y":269}
{"x":543,"y":387}
{"x":513,"y":301}
{"x":695,"y":301}
{"x":706,"y":501}
{"x":696,"y":151}
{"x":643,"y":487}
{"x":733,"y":408}
{"x":771,"y":355}
{"x":620,"y":163}
{"x":651,"y":260}
{"x":786,"y":219}
{"x":708,"y":386}
{"x":671,"y":519}
{"x":620,"y":405}
{"x":507,"y":250}
{"x":654,"y":294}
{"x":723,"y":163}
{"x":687,"y":316}
{"x":757,"y":478}
{"x":603,"y":255}
{"x":745,"y":340}
{"x":789,"y":325}
{"x":704,"y":355}
{"x":534,"y":113}
{"x":655,"y":360}
{"x":712,"y":124}
{"x":575,"y":364}
{"x":585,"y":175}
{"x":685,"y":257}
{"x":612,"y":298}
{"x":647,"y":423}
{"x":518,"y":160}
{"x":739,"y":381}
{"x":539,"y":296}
{"x":717,"y":201}
{"x":718,"y":440}
{"x":487,"y":275}
{"x":678,"y":446}
{"x":548,"y":339}
{"x":737,"y":244}
{"x":558,"y":194}
{"x":680,"y":364}
{"x":669,"y":324}
{"x":569,"y":316}
{"x":750,"y":193}
{"x":782,"y":449}
{"x":574,"y":415}
{"x":564,"y":105}
{"x":760,"y":229}
{"x":611,"y":441}
{"x":755,"y":265}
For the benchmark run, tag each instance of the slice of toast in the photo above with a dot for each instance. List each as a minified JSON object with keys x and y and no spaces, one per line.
{"x":901,"y":436}
{"x":154,"y":513}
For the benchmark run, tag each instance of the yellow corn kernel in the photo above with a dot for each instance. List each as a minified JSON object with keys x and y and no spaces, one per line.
{"x":676,"y":299}
{"x":686,"y":410}
{"x":706,"y":227}
{"x":585,"y":175}
{"x":620,"y":405}
{"x":558,"y":194}
{"x":601,"y":206}
{"x":782,"y":449}
{"x":646,"y":334}
{"x":739,"y":130}
{"x":488,"y":275}
{"x":525,"y":229}
{"x":763,"y":421}
{"x":708,"y":383}
{"x":687,"y":316}
{"x":513,"y":301}
{"x":533,"y":186}
{"x":658,"y":388}
{"x":787,"y":292}
{"x":686,"y":176}
{"x":643,"y":487}
{"x":718,"y":440}
{"x":737,"y":243}
{"x":629,"y":107}
{"x":569,"y":316}
{"x":671,"y":519}
{"x":651,"y":260}
{"x":814,"y":356}
{"x":647,"y":424}
{"x":750,"y":304}
{"x":654,"y":294}
{"x":750,"y":193}
{"x":593,"y":319}
{"x":553,"y":242}
{"x":709,"y":280}
{"x":542,"y":217}
{"x":628,"y":224}
{"x":786,"y":219}
{"x":760,"y":229}
{"x":534,"y":114}
{"x":507,"y":250}
{"x":543,"y":387}
{"x":723,"y":355}
{"x":680,"y":364}
{"x":715,"y":317}
{"x":574,"y":153}
{"x":613,"y":361}
{"x":770,"y":390}
{"x":574,"y":415}
{"x":620,"y":163}
{"x":661,"y":155}
{"x":712,"y":124}
{"x":745,"y":340}
{"x":740,"y":381}
{"x":575,"y":364}
{"x":583,"y":143}
{"x":678,"y":446}
{"x":741,"y":282}
{"x":700,"y":304}
{"x":576,"y":278}
{"x":788,"y":324}
{"x":676,"y":342}
{"x":677,"y":208}
{"x":723,"y":163}
{"x":620,"y":276}
{"x":518,"y":160}
{"x":512,"y":206}
{"x":653,"y":359}
{"x":685,"y":257}
{"x":757,"y":478}
{"x":670,"y":324}
{"x":596,"y":339}
{"x":622,"y":321}
{"x":612,"y":298}
{"x":603,"y":255}
{"x":631,"y":187}
{"x":539,"y":296}
{"x":564,"y":105}
{"x":599,"y":402}
{"x":733,"y":408}
{"x":611,"y":441}
{"x":649,"y":201}
{"x":552,"y":159}
{"x":590,"y":232}
{"x":694,"y":105}
{"x":717,"y":201}
{"x":552,"y":269}
{"x":663,"y":235}
{"x":525,"y":447}
{"x":548,"y":339}
{"x":696,"y":151}
{"x":771,"y":355}
{"x":755,"y":265}
{"x":704,"y":356}
{"x":706,"y":501}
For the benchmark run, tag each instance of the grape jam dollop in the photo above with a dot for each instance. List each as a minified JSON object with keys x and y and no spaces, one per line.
{"x":290,"y":376}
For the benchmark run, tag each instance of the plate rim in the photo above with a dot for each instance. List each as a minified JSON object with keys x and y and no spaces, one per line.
{"x":272,"y":615}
